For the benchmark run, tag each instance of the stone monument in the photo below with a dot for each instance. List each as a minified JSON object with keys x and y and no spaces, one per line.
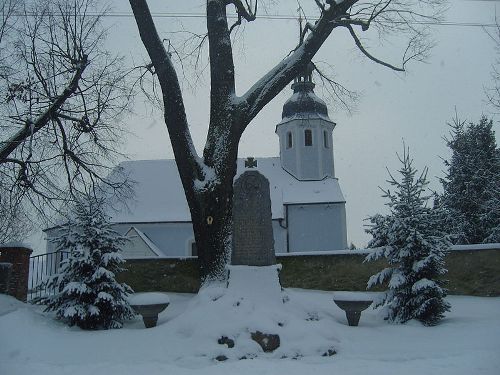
{"x":253,"y":277}
{"x":253,"y":241}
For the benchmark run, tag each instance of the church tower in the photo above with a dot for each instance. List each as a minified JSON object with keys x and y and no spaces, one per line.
{"x":305,"y":132}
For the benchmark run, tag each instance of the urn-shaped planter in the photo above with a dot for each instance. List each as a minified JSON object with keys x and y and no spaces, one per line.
{"x":353,"y":309}
{"x":353,"y":304}
{"x":149,"y":305}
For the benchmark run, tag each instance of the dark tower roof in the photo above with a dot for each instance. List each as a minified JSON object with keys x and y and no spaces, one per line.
{"x":304,"y":101}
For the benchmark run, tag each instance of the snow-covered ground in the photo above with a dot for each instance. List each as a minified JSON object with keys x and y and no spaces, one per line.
{"x":467,"y":341}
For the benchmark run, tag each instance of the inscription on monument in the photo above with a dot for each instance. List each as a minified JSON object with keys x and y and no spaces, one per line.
{"x":253,"y":241}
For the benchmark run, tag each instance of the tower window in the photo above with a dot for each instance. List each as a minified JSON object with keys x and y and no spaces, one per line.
{"x":325,"y":139}
{"x":289,"y":140}
{"x":308,"y":137}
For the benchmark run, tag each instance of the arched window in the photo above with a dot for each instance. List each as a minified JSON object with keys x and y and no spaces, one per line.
{"x":325,"y":139}
{"x":289,"y":140}
{"x":308,"y":137}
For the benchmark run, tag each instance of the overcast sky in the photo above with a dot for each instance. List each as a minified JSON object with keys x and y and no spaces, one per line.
{"x":413,"y":106}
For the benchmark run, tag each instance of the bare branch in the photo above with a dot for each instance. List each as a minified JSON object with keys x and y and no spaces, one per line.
{"x":244,"y":12}
{"x":338,"y":92}
{"x":8,"y":146}
{"x":366,"y":53}
{"x":174,"y":112}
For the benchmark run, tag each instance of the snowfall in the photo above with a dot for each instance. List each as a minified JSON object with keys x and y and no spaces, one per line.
{"x":308,"y":322}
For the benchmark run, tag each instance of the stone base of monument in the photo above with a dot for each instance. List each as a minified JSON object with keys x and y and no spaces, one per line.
{"x":258,"y":286}
{"x":258,"y":283}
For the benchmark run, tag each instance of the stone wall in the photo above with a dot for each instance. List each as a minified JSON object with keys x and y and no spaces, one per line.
{"x":19,"y":257}
{"x":471,"y":272}
{"x":165,"y":274}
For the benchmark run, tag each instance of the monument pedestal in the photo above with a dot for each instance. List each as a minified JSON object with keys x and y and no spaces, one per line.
{"x":259,"y":284}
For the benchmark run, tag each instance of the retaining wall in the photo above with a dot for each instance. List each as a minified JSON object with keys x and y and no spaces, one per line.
{"x":473,"y":272}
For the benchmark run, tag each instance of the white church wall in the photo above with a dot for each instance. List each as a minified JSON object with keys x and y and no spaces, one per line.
{"x":135,"y":247}
{"x":174,"y":239}
{"x":326,"y":151}
{"x":171,"y":238}
{"x":280,"y":235}
{"x":316,"y":227}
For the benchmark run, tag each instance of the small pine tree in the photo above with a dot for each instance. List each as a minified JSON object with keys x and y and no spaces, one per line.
{"x":87,"y":294}
{"x":411,"y":241}
{"x":472,"y":183}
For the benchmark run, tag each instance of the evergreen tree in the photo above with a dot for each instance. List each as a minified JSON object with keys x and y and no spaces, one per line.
{"x":472,"y":183}
{"x":410,"y":239}
{"x":87,"y":294}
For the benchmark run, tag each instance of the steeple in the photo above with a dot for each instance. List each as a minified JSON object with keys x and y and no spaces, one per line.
{"x":304,"y":101}
{"x":305,"y":132}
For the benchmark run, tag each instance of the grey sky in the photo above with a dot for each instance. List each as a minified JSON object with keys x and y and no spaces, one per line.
{"x":414,"y":106}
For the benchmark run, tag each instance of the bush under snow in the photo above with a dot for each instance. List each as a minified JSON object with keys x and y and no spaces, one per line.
{"x":87,"y":294}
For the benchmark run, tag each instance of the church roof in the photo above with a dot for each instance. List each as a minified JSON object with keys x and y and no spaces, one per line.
{"x":304,"y":104}
{"x":159,"y":197}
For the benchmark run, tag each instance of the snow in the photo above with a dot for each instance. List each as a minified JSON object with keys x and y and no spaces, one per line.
{"x":356,"y":296}
{"x":256,"y":284}
{"x":148,"y":298}
{"x":481,"y":246}
{"x":16,"y":244}
{"x":466,"y":342}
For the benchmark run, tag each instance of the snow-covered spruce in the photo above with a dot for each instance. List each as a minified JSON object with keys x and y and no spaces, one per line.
{"x":472,"y":183}
{"x":87,"y":294}
{"x":414,"y":246}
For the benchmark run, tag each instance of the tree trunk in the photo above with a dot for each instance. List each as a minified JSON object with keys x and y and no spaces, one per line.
{"x":212,"y":225}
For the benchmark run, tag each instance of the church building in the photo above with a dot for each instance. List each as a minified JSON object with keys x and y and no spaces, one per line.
{"x":308,"y":208}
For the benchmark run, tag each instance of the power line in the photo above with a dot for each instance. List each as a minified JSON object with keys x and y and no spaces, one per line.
{"x":276,"y":17}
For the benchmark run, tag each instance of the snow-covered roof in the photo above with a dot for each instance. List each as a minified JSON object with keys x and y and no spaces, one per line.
{"x":16,"y":244}
{"x":159,"y":197}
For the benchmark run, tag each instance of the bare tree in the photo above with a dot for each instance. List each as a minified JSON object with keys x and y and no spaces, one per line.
{"x":62,"y":95}
{"x":208,"y":179}
{"x":15,"y":223}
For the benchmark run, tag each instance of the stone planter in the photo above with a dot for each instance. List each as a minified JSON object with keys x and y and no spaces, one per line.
{"x":352,"y":308}
{"x":149,"y":305}
{"x":150,"y":312}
